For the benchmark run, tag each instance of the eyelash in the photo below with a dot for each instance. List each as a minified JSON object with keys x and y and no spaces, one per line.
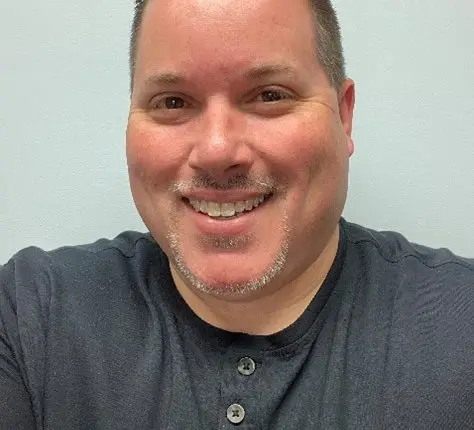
{"x":156,"y":104}
{"x":282,"y":94}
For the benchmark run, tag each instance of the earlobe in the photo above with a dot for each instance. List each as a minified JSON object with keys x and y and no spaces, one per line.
{"x":350,"y":145}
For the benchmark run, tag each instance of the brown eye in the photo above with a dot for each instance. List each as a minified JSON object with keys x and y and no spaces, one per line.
{"x":172,"y":109}
{"x":174,"y":103}
{"x":170,"y":103}
{"x":269,"y":96}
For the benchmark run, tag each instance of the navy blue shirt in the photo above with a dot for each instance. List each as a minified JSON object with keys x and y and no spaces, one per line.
{"x":98,"y":337}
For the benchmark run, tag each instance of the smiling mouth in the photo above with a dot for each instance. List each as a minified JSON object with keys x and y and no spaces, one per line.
{"x":228,"y":210}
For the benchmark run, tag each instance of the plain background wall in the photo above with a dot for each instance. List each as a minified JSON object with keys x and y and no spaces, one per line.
{"x":64,"y":101}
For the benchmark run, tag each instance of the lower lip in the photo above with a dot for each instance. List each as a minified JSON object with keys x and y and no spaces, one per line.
{"x":239,"y":225}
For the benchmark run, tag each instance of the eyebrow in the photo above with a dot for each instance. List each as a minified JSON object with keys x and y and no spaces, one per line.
{"x":255,"y":73}
{"x":166,"y":78}
{"x":269,"y":70}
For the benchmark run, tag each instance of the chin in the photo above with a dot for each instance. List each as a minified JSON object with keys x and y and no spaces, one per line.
{"x":227,"y":275}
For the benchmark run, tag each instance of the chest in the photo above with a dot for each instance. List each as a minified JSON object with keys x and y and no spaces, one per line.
{"x":166,"y":381}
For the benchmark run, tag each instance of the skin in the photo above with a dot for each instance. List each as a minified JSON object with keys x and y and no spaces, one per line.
{"x":251,"y":112}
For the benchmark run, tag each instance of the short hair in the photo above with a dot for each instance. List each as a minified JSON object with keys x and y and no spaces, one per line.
{"x":327,"y":34}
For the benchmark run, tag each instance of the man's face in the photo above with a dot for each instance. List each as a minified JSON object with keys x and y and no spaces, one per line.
{"x":237,"y":146}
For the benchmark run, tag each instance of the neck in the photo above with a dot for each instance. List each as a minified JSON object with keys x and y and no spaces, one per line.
{"x":269,"y":312}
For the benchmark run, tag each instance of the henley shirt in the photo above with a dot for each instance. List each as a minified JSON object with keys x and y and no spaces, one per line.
{"x":98,"y":337}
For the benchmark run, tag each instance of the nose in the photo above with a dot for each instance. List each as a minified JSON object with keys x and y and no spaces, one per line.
{"x":221,"y":148}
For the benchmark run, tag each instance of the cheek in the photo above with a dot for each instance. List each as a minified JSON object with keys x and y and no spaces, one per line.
{"x":313,"y":156}
{"x":304,"y":148}
{"x":154,"y":155}
{"x":153,"y":164}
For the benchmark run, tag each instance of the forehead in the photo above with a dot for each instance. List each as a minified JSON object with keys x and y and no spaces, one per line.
{"x":226,"y":36}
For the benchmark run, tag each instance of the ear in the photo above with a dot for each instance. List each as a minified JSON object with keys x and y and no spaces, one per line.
{"x":346,"y":110}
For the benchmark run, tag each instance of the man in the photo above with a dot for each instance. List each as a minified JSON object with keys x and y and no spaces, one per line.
{"x":251,"y":303}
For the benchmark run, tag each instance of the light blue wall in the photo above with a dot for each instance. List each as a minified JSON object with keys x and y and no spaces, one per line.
{"x":64,"y":100}
{"x":413,"y":171}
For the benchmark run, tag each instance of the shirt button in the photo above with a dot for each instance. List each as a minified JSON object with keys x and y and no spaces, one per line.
{"x":246,"y":366}
{"x":235,"y":414}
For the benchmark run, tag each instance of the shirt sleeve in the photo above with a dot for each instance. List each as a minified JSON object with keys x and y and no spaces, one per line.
{"x":16,"y":410}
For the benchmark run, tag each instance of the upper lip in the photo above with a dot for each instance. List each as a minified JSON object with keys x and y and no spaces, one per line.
{"x":224,"y":196}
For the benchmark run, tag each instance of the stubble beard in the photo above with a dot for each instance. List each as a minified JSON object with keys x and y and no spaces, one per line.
{"x":265,"y":185}
{"x":236,"y":289}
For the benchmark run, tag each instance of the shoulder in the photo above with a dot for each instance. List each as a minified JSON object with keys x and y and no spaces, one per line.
{"x":422,"y":300}
{"x":33,"y":277}
{"x":428,"y":293}
{"x":416,"y":282}
{"x":393,"y":251}
{"x":32,"y":262}
{"x":410,"y":312}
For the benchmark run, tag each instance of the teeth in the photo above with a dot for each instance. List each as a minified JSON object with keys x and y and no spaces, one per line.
{"x":195,"y":204}
{"x":202,"y":207}
{"x":239,"y":207}
{"x":213,"y":209}
{"x":225,"y":209}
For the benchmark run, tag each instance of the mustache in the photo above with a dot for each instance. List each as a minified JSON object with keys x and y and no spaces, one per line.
{"x":264,"y":185}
